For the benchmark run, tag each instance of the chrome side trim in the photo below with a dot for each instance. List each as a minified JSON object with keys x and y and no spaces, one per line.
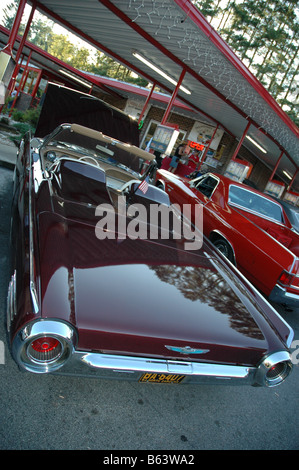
{"x":32,"y":285}
{"x":34,"y":297}
{"x":11,"y":305}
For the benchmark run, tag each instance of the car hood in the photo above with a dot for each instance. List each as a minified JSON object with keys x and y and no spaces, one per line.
{"x":64,"y":105}
{"x":147,"y":298}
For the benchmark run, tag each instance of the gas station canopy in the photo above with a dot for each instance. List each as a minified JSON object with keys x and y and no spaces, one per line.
{"x":171,"y":44}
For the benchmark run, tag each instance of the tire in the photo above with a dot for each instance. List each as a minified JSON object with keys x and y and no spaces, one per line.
{"x":225,"y":249}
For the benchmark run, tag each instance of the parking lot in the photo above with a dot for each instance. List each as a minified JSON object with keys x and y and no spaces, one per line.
{"x":54,"y":412}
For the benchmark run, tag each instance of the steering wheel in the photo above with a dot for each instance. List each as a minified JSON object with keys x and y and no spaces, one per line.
{"x":149,"y":172}
{"x":89,"y":158}
{"x":128,"y":184}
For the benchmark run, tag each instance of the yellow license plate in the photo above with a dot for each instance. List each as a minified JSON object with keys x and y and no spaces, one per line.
{"x":162,"y":378}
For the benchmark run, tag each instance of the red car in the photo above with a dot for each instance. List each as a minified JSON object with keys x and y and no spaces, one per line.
{"x":87,"y":298}
{"x":251,"y":229}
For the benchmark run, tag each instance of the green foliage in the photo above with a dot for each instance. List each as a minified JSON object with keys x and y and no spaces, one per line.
{"x":207,"y":8}
{"x":41,"y":33}
{"x":22,"y":128}
{"x":26,"y":121}
{"x":17,"y":115}
{"x":265,"y":35}
{"x":30,"y":116}
{"x":10,"y":13}
{"x":4,"y":120}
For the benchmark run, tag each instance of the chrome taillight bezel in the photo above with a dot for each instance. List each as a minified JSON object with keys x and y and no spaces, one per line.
{"x":267,"y":366}
{"x":63,"y":332}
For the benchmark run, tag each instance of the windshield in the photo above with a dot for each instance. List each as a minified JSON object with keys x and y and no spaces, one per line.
{"x":296,"y":219}
{"x":292,"y":214}
{"x":254,"y":202}
{"x":102,"y":150}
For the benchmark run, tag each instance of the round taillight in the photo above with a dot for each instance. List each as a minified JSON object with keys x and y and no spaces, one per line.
{"x":44,"y":344}
{"x":278,"y":372}
{"x":45,"y":349}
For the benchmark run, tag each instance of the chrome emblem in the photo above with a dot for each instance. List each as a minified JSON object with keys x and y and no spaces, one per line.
{"x":187,"y":350}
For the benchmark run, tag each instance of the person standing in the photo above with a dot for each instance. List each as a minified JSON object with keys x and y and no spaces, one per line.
{"x":182,"y":150}
{"x":12,"y":97}
{"x":193,"y":161}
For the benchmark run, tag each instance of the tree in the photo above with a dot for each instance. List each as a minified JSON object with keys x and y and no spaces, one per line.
{"x":41,"y":33}
{"x":81,"y":59}
{"x":264,"y":34}
{"x":9,"y":14}
{"x":62,"y":48}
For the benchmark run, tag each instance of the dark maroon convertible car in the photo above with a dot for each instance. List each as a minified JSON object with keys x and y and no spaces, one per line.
{"x":87,"y":298}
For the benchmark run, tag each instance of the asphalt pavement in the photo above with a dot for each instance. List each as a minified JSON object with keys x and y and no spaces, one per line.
{"x":44,"y":412}
{"x":8,"y":155}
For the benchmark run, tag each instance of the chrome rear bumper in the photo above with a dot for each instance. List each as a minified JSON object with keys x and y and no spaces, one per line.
{"x":283,"y":297}
{"x":106,"y":366}
{"x":67,"y":360}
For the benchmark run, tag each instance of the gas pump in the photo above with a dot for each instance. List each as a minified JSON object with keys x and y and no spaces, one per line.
{"x":238,"y":170}
{"x":164,"y":139}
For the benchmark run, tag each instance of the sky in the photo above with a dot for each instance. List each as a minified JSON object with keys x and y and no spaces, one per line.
{"x":4,"y":4}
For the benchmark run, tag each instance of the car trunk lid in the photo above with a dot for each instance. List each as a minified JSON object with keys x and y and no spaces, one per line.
{"x":147,"y":298}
